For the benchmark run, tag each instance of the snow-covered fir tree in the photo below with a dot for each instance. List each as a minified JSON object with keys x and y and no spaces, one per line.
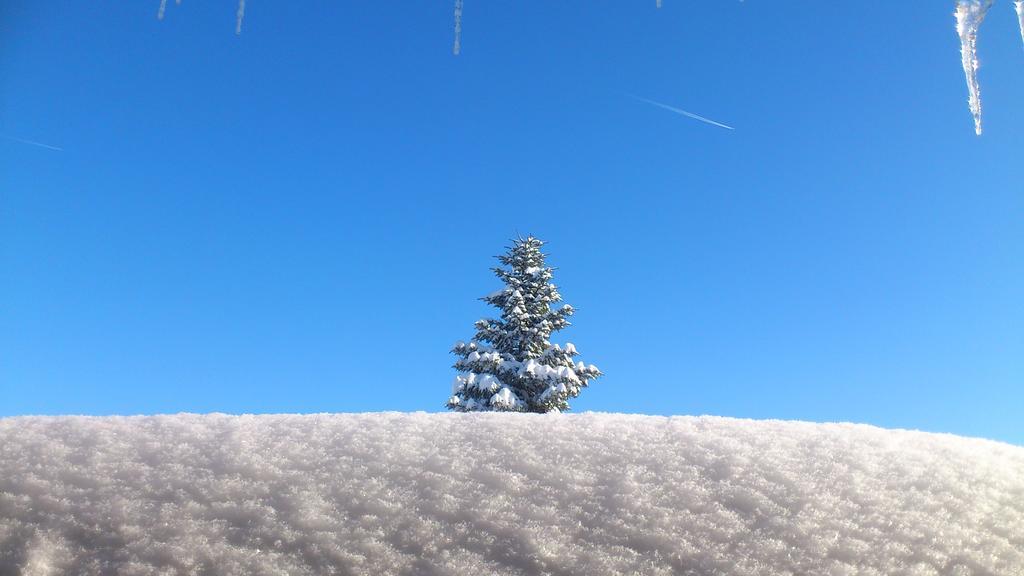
{"x":510,"y":365}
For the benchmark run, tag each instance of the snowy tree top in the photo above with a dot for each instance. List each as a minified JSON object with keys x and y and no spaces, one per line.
{"x":510,"y":364}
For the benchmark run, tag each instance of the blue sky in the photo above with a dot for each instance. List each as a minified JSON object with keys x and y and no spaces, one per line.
{"x":301,"y":219}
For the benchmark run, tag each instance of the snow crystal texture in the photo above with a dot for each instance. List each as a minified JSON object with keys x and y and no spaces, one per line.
{"x":432,"y":494}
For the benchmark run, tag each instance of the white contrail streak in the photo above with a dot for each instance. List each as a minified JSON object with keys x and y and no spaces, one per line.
{"x":31,"y":142}
{"x":239,"y":16}
{"x":160,"y":11}
{"x":683,"y":112}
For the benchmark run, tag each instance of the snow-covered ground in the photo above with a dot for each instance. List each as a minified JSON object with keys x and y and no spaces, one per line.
{"x":484,"y":494}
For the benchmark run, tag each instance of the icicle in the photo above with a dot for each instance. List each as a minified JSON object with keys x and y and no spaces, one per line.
{"x":458,"y":28}
{"x":969,"y":15}
{"x":239,"y":16}
{"x":1019,"y":5}
{"x":160,"y":11}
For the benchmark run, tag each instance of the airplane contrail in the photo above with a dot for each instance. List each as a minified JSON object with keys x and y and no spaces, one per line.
{"x":683,"y":112}
{"x":31,"y":142}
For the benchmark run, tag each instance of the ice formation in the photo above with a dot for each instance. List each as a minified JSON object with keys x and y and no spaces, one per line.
{"x":457,"y":47}
{"x":506,"y":494}
{"x":969,"y":16}
{"x":1019,"y":5}
{"x":239,"y":15}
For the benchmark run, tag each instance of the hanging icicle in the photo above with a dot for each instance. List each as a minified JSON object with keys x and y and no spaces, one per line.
{"x":969,"y":16}
{"x":457,"y":47}
{"x":239,"y":16}
{"x":1019,"y":5}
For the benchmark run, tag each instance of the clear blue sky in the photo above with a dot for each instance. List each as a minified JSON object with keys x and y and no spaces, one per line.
{"x":302,"y":218}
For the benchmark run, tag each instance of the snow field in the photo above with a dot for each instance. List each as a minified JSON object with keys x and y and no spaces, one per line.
{"x":494,"y":493}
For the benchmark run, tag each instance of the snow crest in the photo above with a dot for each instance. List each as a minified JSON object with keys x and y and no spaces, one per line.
{"x":491,"y":493}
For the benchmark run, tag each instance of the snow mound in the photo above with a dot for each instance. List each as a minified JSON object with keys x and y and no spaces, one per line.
{"x":436,"y":494}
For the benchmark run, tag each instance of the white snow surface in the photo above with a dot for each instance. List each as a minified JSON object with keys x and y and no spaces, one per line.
{"x":434,"y":494}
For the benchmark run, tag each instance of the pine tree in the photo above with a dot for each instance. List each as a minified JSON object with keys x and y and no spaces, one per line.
{"x":510,"y":365}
